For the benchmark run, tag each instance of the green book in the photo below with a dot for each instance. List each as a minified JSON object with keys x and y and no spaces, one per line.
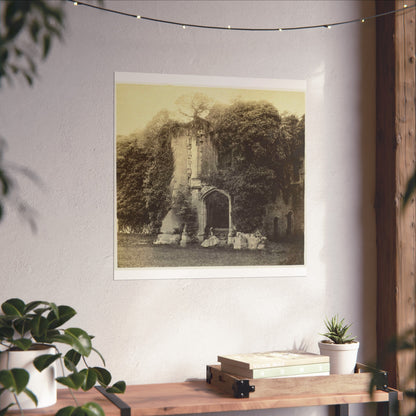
{"x":274,"y":372}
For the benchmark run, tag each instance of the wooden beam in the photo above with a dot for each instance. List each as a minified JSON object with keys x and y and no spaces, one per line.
{"x":395,"y":163}
{"x":385,"y":186}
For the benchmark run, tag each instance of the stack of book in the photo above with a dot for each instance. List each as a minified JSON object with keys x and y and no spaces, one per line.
{"x":275,"y":364}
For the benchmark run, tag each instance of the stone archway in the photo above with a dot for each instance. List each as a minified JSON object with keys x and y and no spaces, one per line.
{"x":216,"y":212}
{"x":217,"y":207}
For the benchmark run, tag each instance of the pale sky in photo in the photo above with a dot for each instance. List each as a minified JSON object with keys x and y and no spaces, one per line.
{"x":137,"y":104}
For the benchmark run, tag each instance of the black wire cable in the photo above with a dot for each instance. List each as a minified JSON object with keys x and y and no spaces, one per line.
{"x":245,"y":29}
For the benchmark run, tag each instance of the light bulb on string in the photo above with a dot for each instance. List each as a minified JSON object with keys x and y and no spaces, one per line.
{"x":405,"y":8}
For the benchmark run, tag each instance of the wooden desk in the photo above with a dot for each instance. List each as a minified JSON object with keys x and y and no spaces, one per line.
{"x":199,"y":397}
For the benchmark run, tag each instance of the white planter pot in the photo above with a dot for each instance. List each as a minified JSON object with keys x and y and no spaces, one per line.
{"x":42,"y":384}
{"x":342,"y":357}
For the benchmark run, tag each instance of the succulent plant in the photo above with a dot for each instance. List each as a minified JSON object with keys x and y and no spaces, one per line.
{"x":337,"y":331}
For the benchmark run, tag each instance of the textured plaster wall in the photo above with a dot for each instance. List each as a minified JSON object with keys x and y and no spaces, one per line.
{"x":62,"y":129}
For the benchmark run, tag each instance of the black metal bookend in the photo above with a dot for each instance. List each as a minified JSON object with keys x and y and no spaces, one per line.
{"x":242,"y":389}
{"x":125,"y":409}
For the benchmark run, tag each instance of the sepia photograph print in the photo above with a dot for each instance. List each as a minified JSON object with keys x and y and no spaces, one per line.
{"x":209,"y":177}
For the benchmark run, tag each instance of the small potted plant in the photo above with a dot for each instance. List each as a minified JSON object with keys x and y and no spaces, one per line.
{"x":30,"y":339}
{"x":341,"y":347}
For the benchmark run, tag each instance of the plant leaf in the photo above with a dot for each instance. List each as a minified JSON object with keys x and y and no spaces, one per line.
{"x":31,"y":396}
{"x":410,"y":393}
{"x":4,"y":411}
{"x":73,"y":381}
{"x":410,"y":188}
{"x":88,"y":409}
{"x":13,"y":307}
{"x":6,"y":332}
{"x":71,"y":360}
{"x":78,"y":339}
{"x":93,"y":409}
{"x":54,"y":309}
{"x":98,"y":353}
{"x":22,"y":343}
{"x":119,"y":387}
{"x":59,"y":315}
{"x":46,"y":45}
{"x":22,"y":325}
{"x":15,"y":28}
{"x":90,"y":379}
{"x":39,"y":327}
{"x":28,"y":78}
{"x":14,"y":380}
{"x":4,"y":179}
{"x":337,"y":331}
{"x":43,"y":361}
{"x":65,"y":411}
{"x":32,"y":305}
{"x":34,"y":30}
{"x":103,"y":376}
{"x":50,"y":335}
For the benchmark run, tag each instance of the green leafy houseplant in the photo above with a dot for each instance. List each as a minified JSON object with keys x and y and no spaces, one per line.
{"x":337,"y":331}
{"x":26,"y":326}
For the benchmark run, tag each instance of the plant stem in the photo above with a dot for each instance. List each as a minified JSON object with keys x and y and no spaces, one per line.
{"x":63,"y":373}
{"x":18,"y":403}
{"x":85,"y":362}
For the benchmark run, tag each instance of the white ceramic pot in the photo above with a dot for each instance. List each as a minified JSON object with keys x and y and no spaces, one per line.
{"x":42,"y":384}
{"x":342,"y":357}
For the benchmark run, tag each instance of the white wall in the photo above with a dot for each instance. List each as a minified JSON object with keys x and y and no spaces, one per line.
{"x":62,"y":129}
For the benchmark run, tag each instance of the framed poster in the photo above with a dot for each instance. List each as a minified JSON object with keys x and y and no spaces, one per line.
{"x":209,"y":177}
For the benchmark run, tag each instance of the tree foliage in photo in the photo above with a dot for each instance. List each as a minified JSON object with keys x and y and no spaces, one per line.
{"x":144,"y":172}
{"x":259,"y":151}
{"x":132,"y":165}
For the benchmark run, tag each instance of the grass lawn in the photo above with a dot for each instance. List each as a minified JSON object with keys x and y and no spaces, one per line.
{"x":135,"y":250}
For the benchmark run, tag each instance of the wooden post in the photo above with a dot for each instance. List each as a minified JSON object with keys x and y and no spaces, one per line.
{"x":395,"y":163}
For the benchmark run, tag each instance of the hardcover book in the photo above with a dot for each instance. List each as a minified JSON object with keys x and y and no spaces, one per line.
{"x":283,"y":371}
{"x":257,"y":360}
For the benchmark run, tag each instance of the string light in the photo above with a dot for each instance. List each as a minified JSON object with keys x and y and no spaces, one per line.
{"x":246,"y":29}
